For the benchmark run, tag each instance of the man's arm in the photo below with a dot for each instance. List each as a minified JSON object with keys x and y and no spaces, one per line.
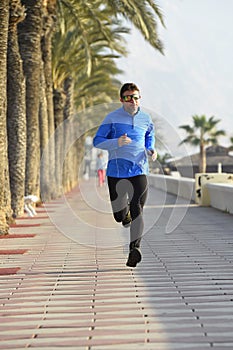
{"x":150,"y":142}
{"x":102,"y":138}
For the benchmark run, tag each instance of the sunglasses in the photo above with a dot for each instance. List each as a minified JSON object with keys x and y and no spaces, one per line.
{"x":129,"y":98}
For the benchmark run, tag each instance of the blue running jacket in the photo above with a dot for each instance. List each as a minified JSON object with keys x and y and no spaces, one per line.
{"x":127,"y":160}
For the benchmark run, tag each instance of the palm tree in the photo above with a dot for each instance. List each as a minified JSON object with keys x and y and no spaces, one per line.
{"x":30,"y":31}
{"x":47,"y":127}
{"x":46,"y":185}
{"x":72,"y":67}
{"x":16,"y":113}
{"x":4,"y":172}
{"x":202,"y":133}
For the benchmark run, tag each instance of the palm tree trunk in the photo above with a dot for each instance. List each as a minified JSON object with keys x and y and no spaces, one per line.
{"x":30,"y":49}
{"x":68,"y":170}
{"x":49,"y":21}
{"x":202,"y":166}
{"x":16,"y":112}
{"x":4,"y":173}
{"x":44,"y":136}
{"x":59,"y":102}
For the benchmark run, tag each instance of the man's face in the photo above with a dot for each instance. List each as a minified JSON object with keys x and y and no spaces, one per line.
{"x":131,"y":101}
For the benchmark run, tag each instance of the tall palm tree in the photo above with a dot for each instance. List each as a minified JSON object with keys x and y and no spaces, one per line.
{"x":4,"y":172}
{"x":46,"y":184}
{"x":202,"y":133}
{"x":47,"y":127}
{"x":30,"y":31}
{"x":16,"y":112}
{"x":70,"y":63}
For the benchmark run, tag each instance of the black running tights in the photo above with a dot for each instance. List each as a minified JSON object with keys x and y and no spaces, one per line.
{"x":129,"y":194}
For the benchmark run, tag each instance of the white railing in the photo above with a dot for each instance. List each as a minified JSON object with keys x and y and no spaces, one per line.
{"x":181,"y":186}
{"x":220,"y":195}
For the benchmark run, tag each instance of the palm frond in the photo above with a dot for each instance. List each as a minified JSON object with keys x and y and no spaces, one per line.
{"x":203,"y":132}
{"x":187,"y":128}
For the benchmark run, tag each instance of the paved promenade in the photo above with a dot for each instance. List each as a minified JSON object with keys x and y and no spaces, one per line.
{"x":64,"y":283}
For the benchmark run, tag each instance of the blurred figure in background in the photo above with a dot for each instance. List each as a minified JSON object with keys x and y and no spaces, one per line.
{"x":100,"y":168}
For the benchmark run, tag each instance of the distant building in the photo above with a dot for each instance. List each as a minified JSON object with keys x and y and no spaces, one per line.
{"x":215,"y":155}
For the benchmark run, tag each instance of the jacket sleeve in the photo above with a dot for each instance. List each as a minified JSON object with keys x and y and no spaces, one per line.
{"x":150,"y":137}
{"x":103,"y":139}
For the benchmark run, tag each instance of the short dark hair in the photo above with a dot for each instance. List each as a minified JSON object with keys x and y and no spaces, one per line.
{"x":128,"y":87}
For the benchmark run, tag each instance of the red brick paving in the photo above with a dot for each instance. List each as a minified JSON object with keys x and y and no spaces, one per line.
{"x":9,"y":270}
{"x":12,"y":251}
{"x":24,"y":225}
{"x":17,"y":235}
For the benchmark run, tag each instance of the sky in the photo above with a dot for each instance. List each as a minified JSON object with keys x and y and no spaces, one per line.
{"x":194,"y":77}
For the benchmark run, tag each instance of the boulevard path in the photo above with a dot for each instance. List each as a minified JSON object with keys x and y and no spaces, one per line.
{"x":64,"y":283}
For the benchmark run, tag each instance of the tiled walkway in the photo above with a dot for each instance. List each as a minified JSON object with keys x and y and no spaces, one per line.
{"x":72,"y":290}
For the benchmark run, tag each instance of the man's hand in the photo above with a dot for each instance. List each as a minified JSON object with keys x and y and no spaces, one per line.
{"x":153,"y":154}
{"x":124,"y":140}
